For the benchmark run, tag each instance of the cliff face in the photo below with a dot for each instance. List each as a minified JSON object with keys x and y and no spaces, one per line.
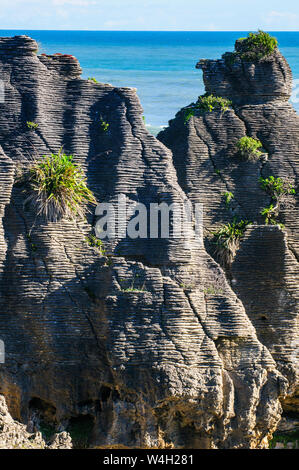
{"x":15,"y":435}
{"x":264,"y":273}
{"x":245,"y":82}
{"x":138,"y":347}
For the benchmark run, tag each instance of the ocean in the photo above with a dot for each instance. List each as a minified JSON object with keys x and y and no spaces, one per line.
{"x":161,"y":65}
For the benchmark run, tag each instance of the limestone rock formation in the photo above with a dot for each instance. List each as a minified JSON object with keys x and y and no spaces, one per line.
{"x":247,"y":82}
{"x":136,"y":348}
{"x":264,"y":273}
{"x":14,"y":435}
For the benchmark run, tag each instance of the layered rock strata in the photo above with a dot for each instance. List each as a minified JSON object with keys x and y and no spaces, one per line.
{"x":264,"y":273}
{"x":136,"y":344}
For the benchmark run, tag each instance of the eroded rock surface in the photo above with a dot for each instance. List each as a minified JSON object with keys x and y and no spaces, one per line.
{"x":264,"y":273}
{"x":14,"y":435}
{"x":136,"y":346}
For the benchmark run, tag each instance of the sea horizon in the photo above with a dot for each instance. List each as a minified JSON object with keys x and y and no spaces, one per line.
{"x":152,"y":30}
{"x":160,"y":64}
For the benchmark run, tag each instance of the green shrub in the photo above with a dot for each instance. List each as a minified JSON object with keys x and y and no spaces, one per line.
{"x":228,"y":197}
{"x":31,"y":125}
{"x":132,"y":287}
{"x":207,"y":103}
{"x":270,"y":214}
{"x":211,"y":290}
{"x":57,"y":187}
{"x":188,"y":114}
{"x":32,"y":245}
{"x":104,"y":125}
{"x":95,"y":242}
{"x":211,"y":102}
{"x":278,"y":189}
{"x":256,"y":46}
{"x":227,"y":240}
{"x":248,"y":148}
{"x":92,"y":79}
{"x":186,"y":287}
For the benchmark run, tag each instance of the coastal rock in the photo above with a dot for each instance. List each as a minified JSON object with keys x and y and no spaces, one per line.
{"x":247,"y":82}
{"x":14,"y":435}
{"x":134,"y":346}
{"x":264,"y":273}
{"x":61,"y":440}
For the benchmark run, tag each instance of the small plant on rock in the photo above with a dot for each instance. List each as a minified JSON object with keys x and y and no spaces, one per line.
{"x":278,"y":189}
{"x":32,"y":245}
{"x":189,"y":112}
{"x":227,"y":240}
{"x":95,"y":242}
{"x":92,"y":79}
{"x":132,"y":287}
{"x":186,"y":287}
{"x":57,"y":187}
{"x":270,"y":214}
{"x":207,"y":103}
{"x":248,"y":148}
{"x":31,"y":125}
{"x":256,"y":46}
{"x":211,"y":290}
{"x":228,"y":196}
{"x":104,"y":125}
{"x":210,"y":103}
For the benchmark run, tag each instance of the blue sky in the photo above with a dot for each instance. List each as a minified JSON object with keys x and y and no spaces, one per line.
{"x":169,"y":15}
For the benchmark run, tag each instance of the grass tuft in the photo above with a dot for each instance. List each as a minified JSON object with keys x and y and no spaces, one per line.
{"x":57,"y":187}
{"x":256,"y":46}
{"x":228,"y":196}
{"x":92,"y":79}
{"x":279,"y":190}
{"x":31,"y":125}
{"x":227,"y":241}
{"x":104,"y":125}
{"x":276,"y":187}
{"x":207,"y":103}
{"x":95,"y":242}
{"x":248,"y":148}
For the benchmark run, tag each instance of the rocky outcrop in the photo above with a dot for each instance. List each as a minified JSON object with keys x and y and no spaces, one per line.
{"x":135,"y":346}
{"x":14,"y":435}
{"x":247,"y":82}
{"x":264,"y":273}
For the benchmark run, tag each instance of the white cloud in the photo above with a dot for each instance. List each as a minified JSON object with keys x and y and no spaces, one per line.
{"x":79,"y":3}
{"x":283,"y":14}
{"x":283,"y":19}
{"x":115,"y":24}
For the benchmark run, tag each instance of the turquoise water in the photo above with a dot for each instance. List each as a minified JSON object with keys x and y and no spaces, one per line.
{"x":161,"y":65}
